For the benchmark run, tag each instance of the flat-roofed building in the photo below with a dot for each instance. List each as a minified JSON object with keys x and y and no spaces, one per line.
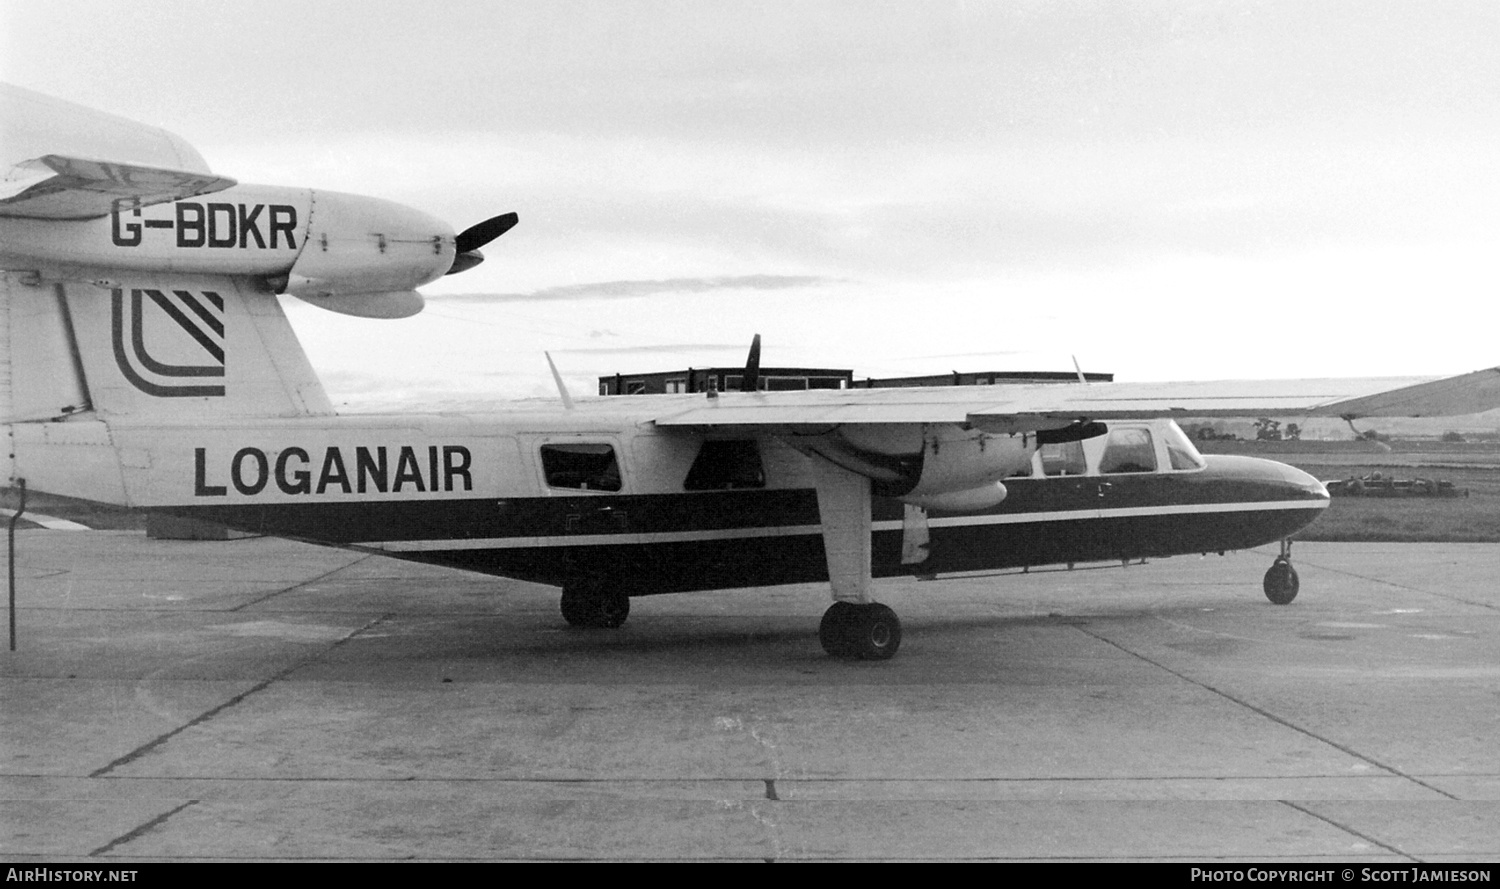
{"x":984,"y":378}
{"x":787,"y":379}
{"x":725,"y":379}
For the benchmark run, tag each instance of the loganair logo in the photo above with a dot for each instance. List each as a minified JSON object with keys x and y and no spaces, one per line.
{"x":162,"y":350}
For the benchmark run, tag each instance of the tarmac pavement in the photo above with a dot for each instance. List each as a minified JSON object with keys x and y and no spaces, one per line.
{"x":266,"y":700}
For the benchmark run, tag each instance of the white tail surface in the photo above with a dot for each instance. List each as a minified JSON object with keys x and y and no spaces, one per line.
{"x":140,"y":351}
{"x":189,"y":349}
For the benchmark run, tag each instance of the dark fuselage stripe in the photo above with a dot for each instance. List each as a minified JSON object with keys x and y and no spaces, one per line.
{"x":695,"y":536}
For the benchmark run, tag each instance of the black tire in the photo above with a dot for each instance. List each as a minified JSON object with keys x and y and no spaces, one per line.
{"x":878,"y":634}
{"x":836,"y":631}
{"x":588,"y":605}
{"x":574,"y":607}
{"x":868,"y":632}
{"x":610,"y":610}
{"x":1281,"y":583}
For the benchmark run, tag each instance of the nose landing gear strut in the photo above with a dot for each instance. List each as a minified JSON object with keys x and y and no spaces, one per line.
{"x":1281,"y":579}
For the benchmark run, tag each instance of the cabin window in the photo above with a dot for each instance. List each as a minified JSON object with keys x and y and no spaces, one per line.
{"x":1180,"y":452}
{"x":1128,"y":450}
{"x":1065,"y":458}
{"x":635,"y":387}
{"x":586,"y":467}
{"x":675,"y":386}
{"x":726,"y":466}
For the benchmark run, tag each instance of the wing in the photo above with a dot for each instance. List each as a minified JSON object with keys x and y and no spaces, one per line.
{"x":57,"y":186}
{"x":1006,"y":409}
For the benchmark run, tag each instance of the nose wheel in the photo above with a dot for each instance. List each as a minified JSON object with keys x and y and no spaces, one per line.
{"x":868,"y":632}
{"x":1281,"y":582}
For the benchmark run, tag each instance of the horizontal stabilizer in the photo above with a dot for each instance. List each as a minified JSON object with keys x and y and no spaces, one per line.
{"x":56,"y":186}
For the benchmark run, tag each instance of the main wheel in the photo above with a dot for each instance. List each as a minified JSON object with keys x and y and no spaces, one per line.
{"x":870,"y":632}
{"x":1281,"y":582}
{"x":879,"y":633}
{"x":586,"y":605}
{"x":835,"y":632}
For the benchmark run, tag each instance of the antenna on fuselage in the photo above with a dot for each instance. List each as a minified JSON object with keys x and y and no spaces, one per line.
{"x":562,"y":388}
{"x":1081,"y":378}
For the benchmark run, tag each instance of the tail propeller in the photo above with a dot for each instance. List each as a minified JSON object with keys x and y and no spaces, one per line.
{"x":466,"y":245}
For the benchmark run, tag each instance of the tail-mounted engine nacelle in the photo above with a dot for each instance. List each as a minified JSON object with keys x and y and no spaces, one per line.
{"x":366,"y":256}
{"x":943,"y":466}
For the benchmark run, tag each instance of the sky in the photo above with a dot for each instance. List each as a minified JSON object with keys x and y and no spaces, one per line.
{"x":1165,"y":190}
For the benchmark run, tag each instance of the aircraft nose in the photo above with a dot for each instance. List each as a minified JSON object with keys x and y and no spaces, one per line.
{"x":1257,"y":478}
{"x":1303,"y":482}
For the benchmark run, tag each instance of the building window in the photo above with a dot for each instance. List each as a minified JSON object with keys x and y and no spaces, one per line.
{"x":783,"y":384}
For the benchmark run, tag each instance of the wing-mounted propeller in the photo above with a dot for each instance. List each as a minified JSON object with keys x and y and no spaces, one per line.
{"x":466,"y":245}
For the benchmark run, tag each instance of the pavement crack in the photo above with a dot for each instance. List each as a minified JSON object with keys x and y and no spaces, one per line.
{"x":1349,"y":830}
{"x":1279,"y":720}
{"x":203,"y":717}
{"x":297,"y":586}
{"x":141,"y":830}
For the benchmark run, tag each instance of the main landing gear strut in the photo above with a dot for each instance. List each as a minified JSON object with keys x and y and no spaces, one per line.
{"x":1281,"y":579}
{"x":855,"y":626}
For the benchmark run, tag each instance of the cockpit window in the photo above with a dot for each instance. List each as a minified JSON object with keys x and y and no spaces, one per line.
{"x":1180,"y":451}
{"x":1063,"y":459}
{"x":587,"y":467}
{"x":1128,"y":450}
{"x":725,"y":466}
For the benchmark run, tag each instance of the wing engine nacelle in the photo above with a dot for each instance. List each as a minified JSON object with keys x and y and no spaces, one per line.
{"x":960,"y":468}
{"x":366,"y":256}
{"x":972,"y":500}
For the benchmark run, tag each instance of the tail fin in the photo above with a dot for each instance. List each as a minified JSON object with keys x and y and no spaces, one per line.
{"x":142,"y":350}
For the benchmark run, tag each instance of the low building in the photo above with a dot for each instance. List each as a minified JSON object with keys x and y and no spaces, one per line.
{"x":786,"y":379}
{"x":725,"y":379}
{"x":984,"y":378}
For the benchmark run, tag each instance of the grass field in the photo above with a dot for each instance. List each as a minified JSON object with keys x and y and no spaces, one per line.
{"x":1471,"y":519}
{"x":1474,"y":466}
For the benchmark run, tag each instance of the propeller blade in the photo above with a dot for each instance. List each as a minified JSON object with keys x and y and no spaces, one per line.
{"x":476,"y":236}
{"x":751,"y":380}
{"x":465,"y":261}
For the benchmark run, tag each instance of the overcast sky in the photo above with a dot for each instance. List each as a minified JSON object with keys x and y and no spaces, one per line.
{"x":1168,"y":190}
